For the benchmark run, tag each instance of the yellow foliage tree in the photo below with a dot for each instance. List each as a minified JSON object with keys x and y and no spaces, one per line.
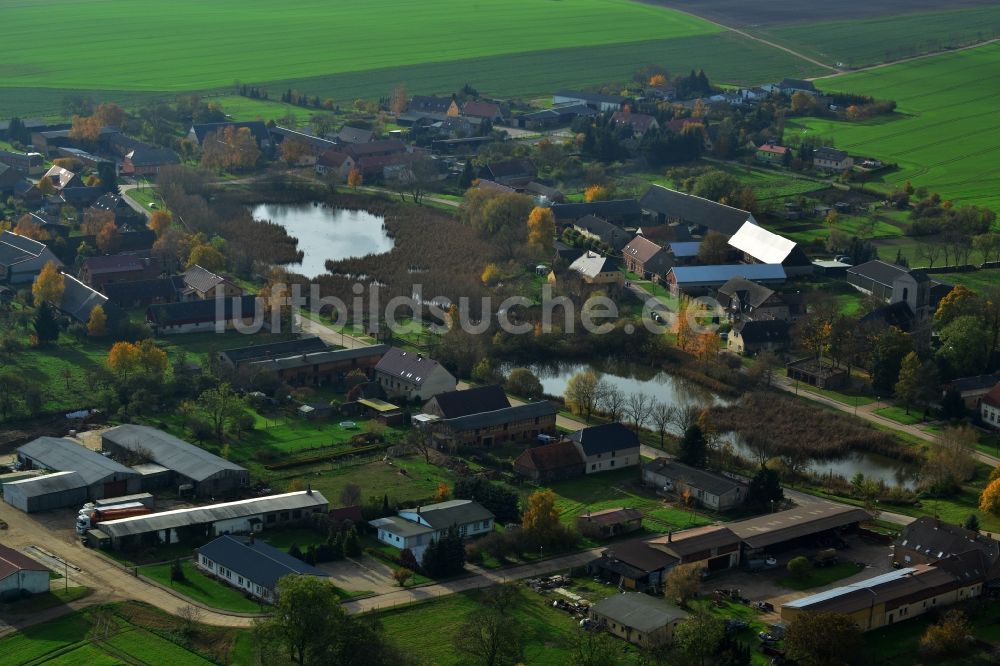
{"x":355,"y":178}
{"x":959,"y":302}
{"x":45,"y":186}
{"x":597,"y":193}
{"x":541,"y":517}
{"x":108,"y":239}
{"x":491,"y":274}
{"x":442,"y":492}
{"x":29,"y":227}
{"x":97,"y":323}
{"x":159,"y":222}
{"x":541,"y":227}
{"x":989,"y":500}
{"x":123,"y":359}
{"x":207,"y":257}
{"x":293,"y":150}
{"x":657,"y":80}
{"x":152,"y":359}
{"x":49,"y":285}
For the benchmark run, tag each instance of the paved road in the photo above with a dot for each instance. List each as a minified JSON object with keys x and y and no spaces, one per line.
{"x":329,"y":335}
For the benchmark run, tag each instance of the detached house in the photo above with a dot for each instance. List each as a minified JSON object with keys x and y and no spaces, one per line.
{"x":415,"y":529}
{"x":645,"y":258}
{"x":412,"y":376}
{"x":989,"y":408}
{"x":636,"y":123}
{"x":831,"y":159}
{"x":595,"y":269}
{"x":202,"y":284}
{"x":752,"y":337}
{"x":769,"y":153}
{"x":62,"y":178}
{"x":251,"y":566}
{"x":745,"y":300}
{"x":510,"y":424}
{"x":714,"y":491}
{"x":485,"y":110}
{"x":607,"y":447}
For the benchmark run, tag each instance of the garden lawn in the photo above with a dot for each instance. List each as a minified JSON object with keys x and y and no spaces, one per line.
{"x":246,"y":108}
{"x":201,"y":588}
{"x":821,"y":576}
{"x":945,"y":134}
{"x":92,"y":655}
{"x":38,"y":602}
{"x":34,"y":642}
{"x":899,"y":415}
{"x":150,"y":648}
{"x":976,"y":281}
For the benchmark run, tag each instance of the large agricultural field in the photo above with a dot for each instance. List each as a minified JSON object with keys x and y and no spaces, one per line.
{"x":347,"y":50}
{"x":945,"y":134}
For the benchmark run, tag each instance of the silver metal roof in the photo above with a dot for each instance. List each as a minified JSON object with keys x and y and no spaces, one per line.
{"x":64,"y":455}
{"x":203,"y":515}
{"x":761,"y":244}
{"x":399,"y":526}
{"x":845,"y":589}
{"x":50,"y":483}
{"x":638,"y":611}
{"x":164,"y":449}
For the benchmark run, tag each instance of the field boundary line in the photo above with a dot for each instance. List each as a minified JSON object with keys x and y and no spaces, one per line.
{"x":921,"y":56}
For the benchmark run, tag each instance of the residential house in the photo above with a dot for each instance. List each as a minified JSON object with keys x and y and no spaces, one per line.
{"x":989,"y":408}
{"x":10,"y":179}
{"x":634,"y":565}
{"x":637,"y":124}
{"x":148,"y":160}
{"x":485,"y":429}
{"x":454,"y":404}
{"x":22,"y":259}
{"x":595,"y":101}
{"x":792,"y":86}
{"x":595,"y":269}
{"x":125,"y":215}
{"x":80,"y":197}
{"x":199,"y":132}
{"x":621,"y":212}
{"x":429,"y":104}
{"x":26,"y":164}
{"x":513,"y":172}
{"x":973,"y":389}
{"x":607,"y":447}
{"x":697,"y":280}
{"x":750,"y":337}
{"x":769,"y":153}
{"x":485,"y":110}
{"x":21,"y":575}
{"x":544,"y":194}
{"x":894,"y":285}
{"x":831,"y":159}
{"x":62,"y":179}
{"x":202,"y":284}
{"x":215,"y":314}
{"x":609,"y":523}
{"x":412,"y":376}
{"x":645,"y":258}
{"x":928,"y":540}
{"x":556,"y":461}
{"x":416,"y":528}
{"x":665,"y":205}
{"x":745,"y":300}
{"x":611,"y":235}
{"x":103,"y":270}
{"x":251,"y":566}
{"x":713,"y":491}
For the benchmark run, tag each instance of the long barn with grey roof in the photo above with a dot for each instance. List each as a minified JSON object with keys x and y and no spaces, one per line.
{"x":206,"y":473}
{"x":520,"y":423}
{"x":304,"y":362}
{"x":204,"y":522}
{"x":667,"y":205}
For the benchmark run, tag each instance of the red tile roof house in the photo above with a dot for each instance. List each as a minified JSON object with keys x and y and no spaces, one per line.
{"x":99,"y":271}
{"x":989,"y":408}
{"x":645,"y":258}
{"x":550,"y":462}
{"x":486,"y":110}
{"x":639,"y":123}
{"x":769,"y":153}
{"x":20,"y":575}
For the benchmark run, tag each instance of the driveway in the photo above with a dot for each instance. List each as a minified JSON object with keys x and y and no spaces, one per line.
{"x":361,"y":574}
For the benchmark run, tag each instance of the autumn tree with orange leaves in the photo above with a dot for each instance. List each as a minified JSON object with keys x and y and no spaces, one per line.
{"x":49,"y":285}
{"x":29,"y":227}
{"x":159,"y":222}
{"x":598,"y":193}
{"x":541,"y":227}
{"x":355,"y":178}
{"x":231,"y":149}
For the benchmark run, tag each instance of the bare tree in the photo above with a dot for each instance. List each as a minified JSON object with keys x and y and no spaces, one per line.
{"x":684,"y":417}
{"x":613,"y":402}
{"x":638,"y":409}
{"x":350,"y":495}
{"x":930,"y":252}
{"x":662,"y":415}
{"x":418,"y":442}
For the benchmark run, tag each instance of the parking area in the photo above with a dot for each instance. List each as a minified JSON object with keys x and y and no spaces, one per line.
{"x":360,"y":574}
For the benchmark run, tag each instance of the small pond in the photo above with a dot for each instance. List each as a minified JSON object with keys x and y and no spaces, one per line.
{"x":327,"y":233}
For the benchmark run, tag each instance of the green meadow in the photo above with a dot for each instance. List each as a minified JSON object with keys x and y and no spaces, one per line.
{"x":945,"y":134}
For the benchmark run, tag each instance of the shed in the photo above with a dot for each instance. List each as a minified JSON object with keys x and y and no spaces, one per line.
{"x":21,"y":575}
{"x":42,"y":493}
{"x":103,"y":477}
{"x":638,"y":618}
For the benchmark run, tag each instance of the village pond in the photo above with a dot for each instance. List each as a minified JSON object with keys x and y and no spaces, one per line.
{"x":327,"y":233}
{"x":680,"y":393}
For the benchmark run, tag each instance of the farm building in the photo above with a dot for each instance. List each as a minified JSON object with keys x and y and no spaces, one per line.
{"x":818,"y":523}
{"x":609,"y":522}
{"x":550,"y":462}
{"x":26,"y":164}
{"x":606,"y":447}
{"x":417,"y":528}
{"x":100,"y":271}
{"x":204,"y":522}
{"x":207,"y":474}
{"x":760,"y":246}
{"x":638,"y":618}
{"x":453,"y":404}
{"x":412,"y":376}
{"x":593,"y":227}
{"x":745,"y":300}
{"x":595,"y":101}
{"x":20,"y":575}
{"x":206,"y":315}
{"x":22,"y":259}
{"x":78,"y":301}
{"x":42,"y":493}
{"x":894,"y":284}
{"x":235,"y":359}
{"x":257,"y":129}
{"x":714,"y":545}
{"x":927,"y":540}
{"x":522,"y":422}
{"x":251,"y":566}
{"x":707,"y":488}
{"x":989,"y":408}
{"x":592,"y":268}
{"x":701,"y":215}
{"x":316,"y":368}
{"x":646,"y":258}
{"x":202,"y":284}
{"x":973,"y":389}
{"x":813,"y":372}
{"x":616,"y":211}
{"x":695,"y":280}
{"x":749,"y":338}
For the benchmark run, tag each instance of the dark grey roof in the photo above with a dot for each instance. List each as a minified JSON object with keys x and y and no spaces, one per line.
{"x":605,"y":438}
{"x":79,"y":300}
{"x":694,"y":210}
{"x":258,"y":562}
{"x":511,"y":168}
{"x":716,"y":484}
{"x":400,"y":526}
{"x":797,"y":84}
{"x":39,"y":486}
{"x":81,"y":196}
{"x":811,"y":518}
{"x":455,"y":404}
{"x":201,"y":279}
{"x":937,"y":540}
{"x":898,"y":314}
{"x":443,"y":515}
{"x":304,"y":345}
{"x":610,"y":234}
{"x":602,"y":209}
{"x":977,"y":383}
{"x":427,"y":103}
{"x":204,"y":515}
{"x":407,"y":366}
{"x":286,"y":361}
{"x":827,"y":153}
{"x":528,"y":410}
{"x":639,"y":611}
{"x":639,"y":555}
{"x":749,"y":292}
{"x":309,"y":139}
{"x":878,"y":271}
{"x":349,"y":134}
{"x":64,"y":455}
{"x":164,"y":449}
{"x":151,"y":156}
{"x":200,"y":311}
{"x":257,"y":128}
{"x":760,"y":332}
{"x":116,"y":263}
{"x":15,"y":248}
{"x":124,"y":293}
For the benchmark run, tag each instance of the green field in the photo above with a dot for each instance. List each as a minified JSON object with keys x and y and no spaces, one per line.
{"x":857,"y":43}
{"x":945,"y":134}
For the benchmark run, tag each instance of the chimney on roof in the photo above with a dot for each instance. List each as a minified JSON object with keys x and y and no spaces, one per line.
{"x":670,"y":536}
{"x":309,"y":489}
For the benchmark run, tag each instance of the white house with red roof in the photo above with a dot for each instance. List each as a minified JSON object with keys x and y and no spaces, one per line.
{"x":989,"y":408}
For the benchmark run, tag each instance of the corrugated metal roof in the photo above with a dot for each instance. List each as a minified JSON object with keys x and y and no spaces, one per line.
{"x":453,"y":512}
{"x":500,"y":416}
{"x":50,"y":483}
{"x":64,"y":455}
{"x":400,"y":526}
{"x":203,"y":515}
{"x":639,"y":611}
{"x":685,"y":248}
{"x":811,"y":518}
{"x":173,"y":453}
{"x":761,"y":244}
{"x":719,"y":274}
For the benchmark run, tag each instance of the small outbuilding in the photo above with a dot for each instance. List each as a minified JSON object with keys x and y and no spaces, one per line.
{"x":20,"y":575}
{"x":609,"y":522}
{"x":638,"y":618}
